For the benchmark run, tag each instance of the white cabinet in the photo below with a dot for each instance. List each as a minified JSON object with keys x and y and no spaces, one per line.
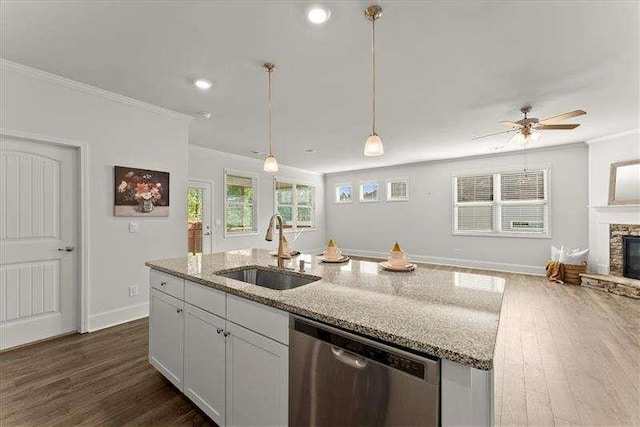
{"x":204,"y":362}
{"x":227,"y":354}
{"x":257,"y":379}
{"x":166,"y":336}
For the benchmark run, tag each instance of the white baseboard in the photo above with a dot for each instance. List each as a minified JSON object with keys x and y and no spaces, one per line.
{"x":117,"y":316}
{"x":456,"y":262}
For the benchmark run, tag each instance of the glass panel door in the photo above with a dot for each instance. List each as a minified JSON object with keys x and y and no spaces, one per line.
{"x":199,"y":234}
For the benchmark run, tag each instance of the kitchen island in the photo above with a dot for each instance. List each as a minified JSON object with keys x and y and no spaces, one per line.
{"x":450,"y":316}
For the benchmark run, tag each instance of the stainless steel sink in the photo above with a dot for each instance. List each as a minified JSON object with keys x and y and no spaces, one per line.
{"x":269,"y":278}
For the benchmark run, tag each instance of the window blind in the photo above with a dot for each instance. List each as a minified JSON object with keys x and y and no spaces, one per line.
{"x":478,"y":188}
{"x":398,"y":190}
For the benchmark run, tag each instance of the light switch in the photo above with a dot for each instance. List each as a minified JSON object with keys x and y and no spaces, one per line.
{"x":133,"y":227}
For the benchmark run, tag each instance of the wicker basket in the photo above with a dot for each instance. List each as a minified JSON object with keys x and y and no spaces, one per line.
{"x":572,"y":273}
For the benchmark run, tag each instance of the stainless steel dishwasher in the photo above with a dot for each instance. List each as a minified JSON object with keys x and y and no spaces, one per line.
{"x":341,"y":379}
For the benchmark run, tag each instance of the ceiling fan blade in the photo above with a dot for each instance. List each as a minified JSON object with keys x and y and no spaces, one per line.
{"x":558,"y":127}
{"x":493,"y":134}
{"x":561,"y":117}
{"x":512,"y":124}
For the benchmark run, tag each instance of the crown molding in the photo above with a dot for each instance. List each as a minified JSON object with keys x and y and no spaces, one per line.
{"x":250,"y":159}
{"x":82,"y":87}
{"x":612,"y":136}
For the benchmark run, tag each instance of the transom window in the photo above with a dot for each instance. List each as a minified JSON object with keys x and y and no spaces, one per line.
{"x":502,"y":203}
{"x":240,"y":198}
{"x":295,"y":202}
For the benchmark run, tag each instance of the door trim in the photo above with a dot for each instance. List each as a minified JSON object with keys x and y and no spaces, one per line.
{"x":211,"y":206}
{"x":83,"y":198}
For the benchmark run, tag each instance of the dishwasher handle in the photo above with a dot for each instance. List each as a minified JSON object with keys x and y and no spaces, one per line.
{"x":348,"y":358}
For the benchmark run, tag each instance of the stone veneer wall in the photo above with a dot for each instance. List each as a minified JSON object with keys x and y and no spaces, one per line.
{"x":616,"y":233}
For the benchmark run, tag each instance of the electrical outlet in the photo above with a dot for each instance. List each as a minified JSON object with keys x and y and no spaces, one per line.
{"x":457,"y":251}
{"x":133,"y":291}
{"x":133,"y":227}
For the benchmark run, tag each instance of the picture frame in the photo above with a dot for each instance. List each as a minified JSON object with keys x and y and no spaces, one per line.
{"x":140,"y":192}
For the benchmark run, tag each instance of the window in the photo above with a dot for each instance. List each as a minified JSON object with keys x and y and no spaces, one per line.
{"x":502,"y":203}
{"x":369,"y":192}
{"x":344,"y":193}
{"x":240,"y":203}
{"x":397,"y":190}
{"x":295,"y":202}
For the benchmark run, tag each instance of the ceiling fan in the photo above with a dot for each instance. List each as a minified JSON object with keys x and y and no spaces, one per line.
{"x":529,"y":129}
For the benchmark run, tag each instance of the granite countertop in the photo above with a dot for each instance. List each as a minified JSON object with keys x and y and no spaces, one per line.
{"x":451,"y":315}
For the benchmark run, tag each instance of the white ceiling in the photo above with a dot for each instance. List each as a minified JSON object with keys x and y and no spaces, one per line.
{"x":448,"y":71}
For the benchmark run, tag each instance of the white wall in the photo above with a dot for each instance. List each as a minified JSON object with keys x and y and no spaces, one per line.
{"x":603,"y":152}
{"x":116,"y":134}
{"x":209,"y":165}
{"x":423,"y":225}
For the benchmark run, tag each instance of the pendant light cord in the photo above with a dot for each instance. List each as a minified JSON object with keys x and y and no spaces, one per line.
{"x":270,"y":115}
{"x":373,"y":72}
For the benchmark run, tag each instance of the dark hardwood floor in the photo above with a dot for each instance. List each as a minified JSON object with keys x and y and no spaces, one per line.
{"x":102,"y":378}
{"x":565,"y":355}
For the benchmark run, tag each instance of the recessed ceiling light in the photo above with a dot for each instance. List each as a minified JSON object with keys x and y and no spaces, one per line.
{"x":310,"y":150}
{"x":318,"y":15}
{"x":204,"y":115}
{"x":203,"y":84}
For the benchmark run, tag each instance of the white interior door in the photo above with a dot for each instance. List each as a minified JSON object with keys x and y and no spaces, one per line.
{"x":38,"y":239}
{"x":199,"y":212}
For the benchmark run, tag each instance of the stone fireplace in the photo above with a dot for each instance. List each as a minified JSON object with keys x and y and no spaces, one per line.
{"x":624,"y":263}
{"x":617,"y":236}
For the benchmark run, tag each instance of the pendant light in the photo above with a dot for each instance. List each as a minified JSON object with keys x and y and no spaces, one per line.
{"x":270,"y":163}
{"x":373,"y":147}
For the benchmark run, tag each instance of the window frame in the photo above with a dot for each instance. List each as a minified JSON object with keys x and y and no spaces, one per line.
{"x":360,"y":192}
{"x":336,"y":197}
{"x":390,"y":181}
{"x":294,"y":205}
{"x":498,"y":204}
{"x":254,"y":184}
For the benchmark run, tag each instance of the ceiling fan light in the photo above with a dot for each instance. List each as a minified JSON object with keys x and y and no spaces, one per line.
{"x":518,"y":139}
{"x":373,"y":147}
{"x":270,"y":164}
{"x":535,"y":136}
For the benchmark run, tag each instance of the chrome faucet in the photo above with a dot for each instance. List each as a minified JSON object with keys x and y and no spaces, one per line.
{"x":269,"y":237}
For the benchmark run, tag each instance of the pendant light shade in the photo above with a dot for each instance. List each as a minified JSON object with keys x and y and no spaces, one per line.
{"x":373,"y":147}
{"x":270,"y":163}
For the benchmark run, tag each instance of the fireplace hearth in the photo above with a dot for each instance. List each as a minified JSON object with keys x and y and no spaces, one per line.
{"x":631,"y":257}
{"x":624,"y":263}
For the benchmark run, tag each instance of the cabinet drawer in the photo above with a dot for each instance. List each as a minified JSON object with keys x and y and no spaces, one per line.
{"x":206,"y":298}
{"x":260,"y":318}
{"x":167,"y":283}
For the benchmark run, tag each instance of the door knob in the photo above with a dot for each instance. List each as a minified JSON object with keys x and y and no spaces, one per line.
{"x":226,"y":334}
{"x":207,"y":233}
{"x":67,"y":249}
{"x":219,"y":330}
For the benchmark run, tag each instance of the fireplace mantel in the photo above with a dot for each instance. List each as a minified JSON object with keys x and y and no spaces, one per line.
{"x":617,"y":214}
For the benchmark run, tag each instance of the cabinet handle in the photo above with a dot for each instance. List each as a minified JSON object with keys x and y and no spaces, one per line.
{"x":178,"y":310}
{"x":219,"y":330}
{"x":226,"y":333}
{"x":163,"y":283}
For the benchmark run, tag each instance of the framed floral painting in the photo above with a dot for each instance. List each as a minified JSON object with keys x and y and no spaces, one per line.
{"x":141,"y":192}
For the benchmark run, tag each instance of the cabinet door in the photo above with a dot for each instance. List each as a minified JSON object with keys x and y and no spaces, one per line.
{"x":204,"y":362}
{"x":257,"y":379}
{"x":166,"y":334}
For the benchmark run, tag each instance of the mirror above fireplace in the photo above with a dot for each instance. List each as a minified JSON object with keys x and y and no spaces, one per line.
{"x":624,"y":183}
